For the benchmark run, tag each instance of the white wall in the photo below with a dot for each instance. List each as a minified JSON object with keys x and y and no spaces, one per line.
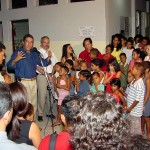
{"x":60,"y":22}
{"x":115,"y":9}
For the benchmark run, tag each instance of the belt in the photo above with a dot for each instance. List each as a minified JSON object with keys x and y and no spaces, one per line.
{"x":26,"y":79}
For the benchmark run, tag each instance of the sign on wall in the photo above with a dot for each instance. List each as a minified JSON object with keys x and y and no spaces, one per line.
{"x":86,"y":31}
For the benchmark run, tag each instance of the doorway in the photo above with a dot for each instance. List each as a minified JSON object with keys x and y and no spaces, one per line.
{"x":19,"y":29}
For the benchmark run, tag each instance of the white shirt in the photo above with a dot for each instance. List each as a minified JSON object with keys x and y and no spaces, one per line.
{"x":1,"y":78}
{"x":147,"y":58}
{"x":6,"y":144}
{"x":44,"y":54}
{"x":136,"y":93}
{"x":128,"y":53}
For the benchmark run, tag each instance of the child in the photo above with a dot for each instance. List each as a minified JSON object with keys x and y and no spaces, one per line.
{"x":135,"y":98}
{"x":71,"y":75}
{"x":96,"y":65}
{"x":146,"y":112}
{"x":97,"y":84}
{"x":29,"y":115}
{"x":63,"y":87}
{"x":128,"y":50}
{"x":83,"y":66}
{"x":106,"y":57}
{"x":113,"y":72}
{"x":124,"y":70}
{"x":94,"y":52}
{"x":135,"y":58}
{"x":82,"y":84}
{"x":147,"y":58}
{"x":115,"y":88}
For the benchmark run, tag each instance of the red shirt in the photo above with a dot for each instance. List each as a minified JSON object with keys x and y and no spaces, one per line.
{"x":86,"y":56}
{"x":62,"y":142}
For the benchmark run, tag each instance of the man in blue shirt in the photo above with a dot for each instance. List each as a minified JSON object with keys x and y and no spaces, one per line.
{"x":24,"y":62}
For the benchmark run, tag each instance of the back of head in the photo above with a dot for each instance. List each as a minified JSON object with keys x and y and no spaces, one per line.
{"x":2,"y":47}
{"x":85,"y":73}
{"x":98,"y":62}
{"x":138,"y":142}
{"x":100,"y":124}
{"x":5,"y":99}
{"x":94,"y":51}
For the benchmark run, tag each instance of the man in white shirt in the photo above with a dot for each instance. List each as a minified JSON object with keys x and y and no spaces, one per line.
{"x":6,"y":111}
{"x":43,"y":93}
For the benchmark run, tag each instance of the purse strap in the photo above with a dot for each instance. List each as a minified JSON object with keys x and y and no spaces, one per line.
{"x":52,"y":143}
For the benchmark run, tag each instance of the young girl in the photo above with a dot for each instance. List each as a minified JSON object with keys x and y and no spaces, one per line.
{"x":116,"y":46}
{"x":82,"y":84}
{"x":96,"y":65}
{"x":135,"y":58}
{"x":113,"y":72}
{"x":147,"y":58}
{"x":106,"y":57}
{"x":68,"y":53}
{"x":146,"y":113}
{"x":115,"y":88}
{"x":97,"y":84}
{"x":71,"y":75}
{"x":63,"y":87}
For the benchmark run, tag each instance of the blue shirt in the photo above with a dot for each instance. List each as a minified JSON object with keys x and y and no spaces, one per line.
{"x":84,"y":88}
{"x":26,"y":68}
{"x":100,"y":88}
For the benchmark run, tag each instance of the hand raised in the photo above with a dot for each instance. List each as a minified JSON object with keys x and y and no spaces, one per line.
{"x":20,"y":56}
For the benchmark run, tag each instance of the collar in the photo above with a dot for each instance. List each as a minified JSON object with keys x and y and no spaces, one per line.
{"x":122,"y":64}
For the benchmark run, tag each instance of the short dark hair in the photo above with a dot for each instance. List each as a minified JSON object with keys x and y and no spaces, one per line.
{"x":59,"y":64}
{"x":5,"y":99}
{"x":26,"y":36}
{"x":94,"y":51}
{"x":87,"y":39}
{"x":2,"y":46}
{"x":98,"y":62}
{"x":65,"y":68}
{"x":100,"y":123}
{"x":123,"y":54}
{"x":139,"y":66}
{"x":115,"y":81}
{"x":146,"y":65}
{"x":85,"y":73}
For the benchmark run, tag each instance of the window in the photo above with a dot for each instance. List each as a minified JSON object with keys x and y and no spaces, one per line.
{"x":19,"y":4}
{"x":47,"y":2}
{"x":79,"y":0}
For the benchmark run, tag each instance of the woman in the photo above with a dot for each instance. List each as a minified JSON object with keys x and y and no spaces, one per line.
{"x":21,"y":130}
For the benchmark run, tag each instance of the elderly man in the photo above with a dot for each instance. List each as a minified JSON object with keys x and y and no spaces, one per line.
{"x":24,"y":62}
{"x":43,"y":94}
{"x":6,"y":111}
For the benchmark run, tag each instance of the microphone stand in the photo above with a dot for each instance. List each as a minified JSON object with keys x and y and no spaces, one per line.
{"x":49,"y":89}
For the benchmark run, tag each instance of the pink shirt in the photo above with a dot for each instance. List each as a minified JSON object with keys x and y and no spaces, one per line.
{"x":132,"y":62}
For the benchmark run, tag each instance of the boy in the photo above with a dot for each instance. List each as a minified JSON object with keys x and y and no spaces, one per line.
{"x":94,"y":53}
{"x":124,"y":70}
{"x":135,"y":98}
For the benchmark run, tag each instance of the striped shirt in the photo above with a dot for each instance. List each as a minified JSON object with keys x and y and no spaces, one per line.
{"x":136,"y":93}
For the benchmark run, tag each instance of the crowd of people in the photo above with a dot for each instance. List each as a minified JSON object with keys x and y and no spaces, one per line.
{"x":103,"y":100}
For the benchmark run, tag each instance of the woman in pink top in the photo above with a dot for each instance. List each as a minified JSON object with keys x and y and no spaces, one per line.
{"x":135,"y":58}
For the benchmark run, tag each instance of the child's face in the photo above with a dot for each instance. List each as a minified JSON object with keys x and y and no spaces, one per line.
{"x":148,"y":50}
{"x":69,"y":49}
{"x":123,"y":58}
{"x":134,"y":71}
{"x":96,"y":79}
{"x":81,"y":77}
{"x":123,"y":42}
{"x":111,"y":67}
{"x":108,"y":50}
{"x":62,"y":72}
{"x":84,"y":66}
{"x":92,"y":56}
{"x":68,"y":65}
{"x":57,"y":68}
{"x":135,"y":56}
{"x":130,"y":77}
{"x":129,"y":45}
{"x":137,"y":40}
{"x":93,"y":67}
{"x":114,"y":87}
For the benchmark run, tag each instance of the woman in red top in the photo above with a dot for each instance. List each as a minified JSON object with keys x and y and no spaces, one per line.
{"x":107,"y":56}
{"x":113,"y":72}
{"x":69,"y":110}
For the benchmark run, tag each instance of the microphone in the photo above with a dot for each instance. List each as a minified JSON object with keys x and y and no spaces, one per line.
{"x":34,"y":49}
